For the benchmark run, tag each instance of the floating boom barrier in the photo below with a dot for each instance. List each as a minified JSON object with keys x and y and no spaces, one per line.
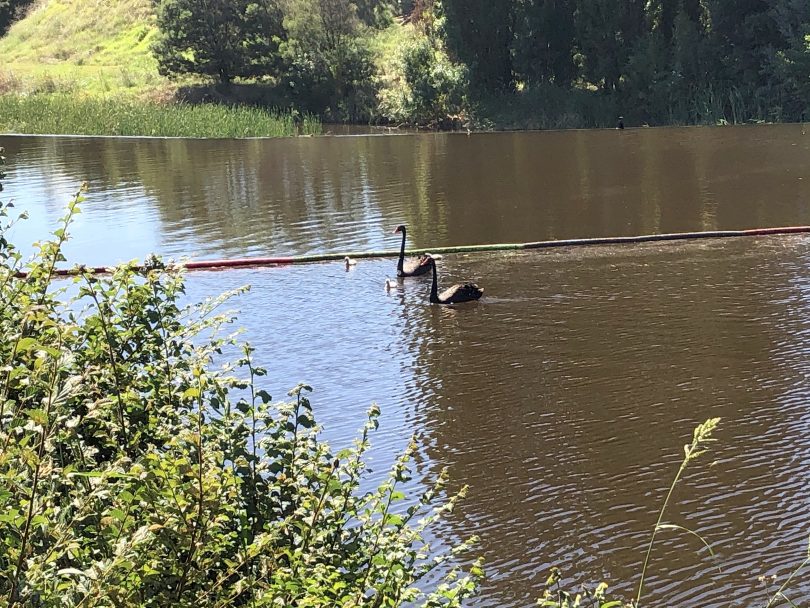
{"x":328,"y":257}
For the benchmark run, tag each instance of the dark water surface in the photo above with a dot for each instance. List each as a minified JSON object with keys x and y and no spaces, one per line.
{"x":564,"y":397}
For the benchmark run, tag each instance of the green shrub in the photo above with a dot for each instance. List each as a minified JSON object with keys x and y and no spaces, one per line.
{"x":426,"y":87}
{"x":222,"y":39}
{"x":330,"y":66}
{"x":336,"y":83}
{"x":135,"y":472}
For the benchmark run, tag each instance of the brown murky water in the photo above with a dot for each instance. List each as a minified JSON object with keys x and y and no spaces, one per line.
{"x":564,"y":397}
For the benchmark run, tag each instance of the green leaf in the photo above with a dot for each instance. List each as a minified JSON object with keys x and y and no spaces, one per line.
{"x":38,"y":416}
{"x":27,"y":344}
{"x":393,"y":520}
{"x":305,"y":421}
{"x":118,"y":514}
{"x":191,"y":393}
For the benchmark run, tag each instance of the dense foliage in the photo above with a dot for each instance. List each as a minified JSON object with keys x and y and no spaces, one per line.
{"x":423,"y":85}
{"x":329,"y":63}
{"x":661,"y":61}
{"x":135,"y":472}
{"x":222,"y":38}
{"x":655,"y":62}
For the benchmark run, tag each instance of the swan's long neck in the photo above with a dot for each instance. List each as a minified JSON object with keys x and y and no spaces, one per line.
{"x":434,"y":287}
{"x":401,"y":252}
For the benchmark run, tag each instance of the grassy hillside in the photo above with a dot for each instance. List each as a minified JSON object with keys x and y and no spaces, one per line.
{"x":85,"y":67}
{"x":82,"y":46}
{"x":102,"y":47}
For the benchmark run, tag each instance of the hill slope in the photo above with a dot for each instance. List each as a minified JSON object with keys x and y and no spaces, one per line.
{"x":93,"y":46}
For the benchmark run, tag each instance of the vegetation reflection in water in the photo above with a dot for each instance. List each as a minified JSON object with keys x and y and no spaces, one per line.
{"x":313,"y":195}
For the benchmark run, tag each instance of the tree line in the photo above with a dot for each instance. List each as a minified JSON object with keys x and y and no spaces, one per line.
{"x":662,"y":59}
{"x":656,"y":61}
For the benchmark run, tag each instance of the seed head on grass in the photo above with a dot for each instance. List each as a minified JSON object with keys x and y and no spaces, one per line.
{"x":701,"y":437}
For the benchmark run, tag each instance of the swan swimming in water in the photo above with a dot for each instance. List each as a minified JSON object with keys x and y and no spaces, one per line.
{"x":412,"y":267}
{"x":462,"y":292}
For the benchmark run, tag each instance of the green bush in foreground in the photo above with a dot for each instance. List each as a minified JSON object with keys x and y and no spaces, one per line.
{"x":68,"y":114}
{"x":135,"y":473}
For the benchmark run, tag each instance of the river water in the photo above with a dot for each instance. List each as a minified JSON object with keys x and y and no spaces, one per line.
{"x":563,"y":398}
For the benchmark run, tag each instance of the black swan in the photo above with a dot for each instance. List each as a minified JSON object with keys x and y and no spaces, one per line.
{"x":465,"y":292}
{"x":412,"y":267}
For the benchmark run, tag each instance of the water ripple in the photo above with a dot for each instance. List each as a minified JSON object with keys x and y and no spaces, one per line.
{"x":563,"y":397}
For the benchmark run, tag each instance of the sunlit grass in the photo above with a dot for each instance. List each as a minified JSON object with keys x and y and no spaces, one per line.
{"x":100,"y":32}
{"x":97,"y":80}
{"x":95,"y":47}
{"x":66,"y":114}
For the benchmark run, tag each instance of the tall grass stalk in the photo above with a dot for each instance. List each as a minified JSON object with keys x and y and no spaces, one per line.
{"x":780,"y":593}
{"x":61,"y":114}
{"x":701,"y":436}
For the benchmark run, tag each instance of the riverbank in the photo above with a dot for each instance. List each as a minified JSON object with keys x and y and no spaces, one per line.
{"x":70,"y":69}
{"x":67,"y":114}
{"x":398,"y":70}
{"x":64,"y":51}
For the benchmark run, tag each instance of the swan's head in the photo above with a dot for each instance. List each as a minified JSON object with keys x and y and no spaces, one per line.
{"x":390,"y":284}
{"x":427,"y":260}
{"x":349,"y":261}
{"x":399,"y":229}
